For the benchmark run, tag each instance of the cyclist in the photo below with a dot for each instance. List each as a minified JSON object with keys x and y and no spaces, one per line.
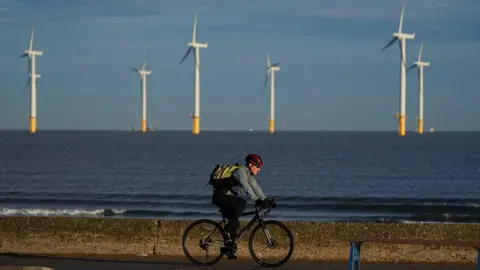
{"x":232,"y":206}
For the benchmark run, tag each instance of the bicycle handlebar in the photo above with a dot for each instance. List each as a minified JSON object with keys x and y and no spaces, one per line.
{"x":270,"y":207}
{"x":258,"y":209}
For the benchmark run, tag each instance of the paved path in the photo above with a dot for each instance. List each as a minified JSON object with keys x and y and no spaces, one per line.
{"x":62,"y":263}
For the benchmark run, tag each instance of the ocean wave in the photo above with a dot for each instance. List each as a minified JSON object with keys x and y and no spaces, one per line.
{"x":363,"y":205}
{"x":103,"y":213}
{"x":58,"y":212}
{"x":279,"y":215}
{"x":199,"y":205}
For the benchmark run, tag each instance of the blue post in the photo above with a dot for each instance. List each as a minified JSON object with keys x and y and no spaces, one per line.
{"x":478,"y":259}
{"x":354,"y":262}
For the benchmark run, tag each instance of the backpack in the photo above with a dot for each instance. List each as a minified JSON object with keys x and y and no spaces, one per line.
{"x":222,"y":175}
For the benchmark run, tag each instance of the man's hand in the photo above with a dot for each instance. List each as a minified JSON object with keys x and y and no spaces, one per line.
{"x":271,"y":202}
{"x":262,"y":203}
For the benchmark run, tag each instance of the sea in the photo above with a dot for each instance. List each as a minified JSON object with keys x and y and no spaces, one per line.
{"x":314,"y":176}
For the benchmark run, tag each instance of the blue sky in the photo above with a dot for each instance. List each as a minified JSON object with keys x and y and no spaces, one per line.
{"x":333,"y":75}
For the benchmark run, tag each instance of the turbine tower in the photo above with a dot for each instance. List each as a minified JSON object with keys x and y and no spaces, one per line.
{"x":419,"y":65}
{"x":143,"y":78}
{"x":401,"y":38}
{"x":32,"y":80}
{"x":195,"y":47}
{"x":271,"y":68}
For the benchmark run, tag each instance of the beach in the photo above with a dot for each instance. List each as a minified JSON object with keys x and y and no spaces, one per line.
{"x":317,"y":241}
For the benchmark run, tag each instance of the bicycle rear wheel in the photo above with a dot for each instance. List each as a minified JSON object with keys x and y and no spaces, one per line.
{"x":201,"y":237}
{"x":264,"y":239}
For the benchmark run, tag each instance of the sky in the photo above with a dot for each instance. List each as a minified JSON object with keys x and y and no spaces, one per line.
{"x":333,"y":75}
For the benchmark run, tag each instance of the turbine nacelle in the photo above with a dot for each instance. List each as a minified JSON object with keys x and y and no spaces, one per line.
{"x":419,"y":65}
{"x":30,"y":53}
{"x":404,"y":36}
{"x":198,"y":45}
{"x":422,"y":64}
{"x":274,"y":68}
{"x":144,"y":72}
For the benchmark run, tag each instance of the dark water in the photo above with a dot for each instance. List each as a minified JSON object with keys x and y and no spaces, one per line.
{"x":314,"y":175}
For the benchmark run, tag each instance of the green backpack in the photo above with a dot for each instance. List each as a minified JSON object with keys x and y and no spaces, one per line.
{"x":222,"y":174}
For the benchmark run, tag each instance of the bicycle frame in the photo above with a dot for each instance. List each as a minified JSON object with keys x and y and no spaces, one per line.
{"x":243,"y":231}
{"x":256,"y":217}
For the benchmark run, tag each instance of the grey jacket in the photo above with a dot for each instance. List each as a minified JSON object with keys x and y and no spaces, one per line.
{"x":248,"y":184}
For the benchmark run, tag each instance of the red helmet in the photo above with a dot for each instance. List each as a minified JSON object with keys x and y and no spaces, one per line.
{"x":254,"y":159}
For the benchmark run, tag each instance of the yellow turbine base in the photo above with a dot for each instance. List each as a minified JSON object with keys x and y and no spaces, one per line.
{"x":33,"y":124}
{"x":196,"y":125}
{"x":401,"y":125}
{"x":144,"y":125}
{"x":271,"y":126}
{"x":420,"y":126}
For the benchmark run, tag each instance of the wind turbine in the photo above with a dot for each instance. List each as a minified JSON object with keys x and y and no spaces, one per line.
{"x":401,"y":38}
{"x":195,"y":47}
{"x":419,"y":65}
{"x":143,"y":77}
{"x":271,"y":68}
{"x":32,"y":80}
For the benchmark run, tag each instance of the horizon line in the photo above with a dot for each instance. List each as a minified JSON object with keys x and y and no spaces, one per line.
{"x":234,"y":130}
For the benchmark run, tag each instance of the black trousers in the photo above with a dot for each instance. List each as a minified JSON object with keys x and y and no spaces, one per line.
{"x":232,"y":207}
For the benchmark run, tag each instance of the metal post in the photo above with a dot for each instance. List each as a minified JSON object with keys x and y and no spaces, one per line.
{"x":478,"y":259}
{"x":354,"y":262}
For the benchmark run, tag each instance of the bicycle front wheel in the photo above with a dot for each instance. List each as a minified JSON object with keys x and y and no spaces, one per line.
{"x":202,"y":241}
{"x":272,"y":244}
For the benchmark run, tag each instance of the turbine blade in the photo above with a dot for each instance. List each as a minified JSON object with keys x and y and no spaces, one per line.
{"x":266,"y":81}
{"x":412,"y":66}
{"x":275,"y":64}
{"x":420,"y":53}
{"x":195,"y":57}
{"x":267,"y":76}
{"x":194,"y":26}
{"x":401,"y":52}
{"x":146,"y":58}
{"x":389,"y":43}
{"x":186,"y":54}
{"x":26,"y":84}
{"x":31,"y":38}
{"x":24,"y":55}
{"x":268,"y":60}
{"x":400,"y":25}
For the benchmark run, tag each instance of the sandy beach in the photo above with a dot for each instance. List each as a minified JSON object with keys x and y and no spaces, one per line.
{"x":314,"y":241}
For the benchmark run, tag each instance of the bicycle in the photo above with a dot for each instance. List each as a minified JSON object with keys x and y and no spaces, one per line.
{"x":207,"y":241}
